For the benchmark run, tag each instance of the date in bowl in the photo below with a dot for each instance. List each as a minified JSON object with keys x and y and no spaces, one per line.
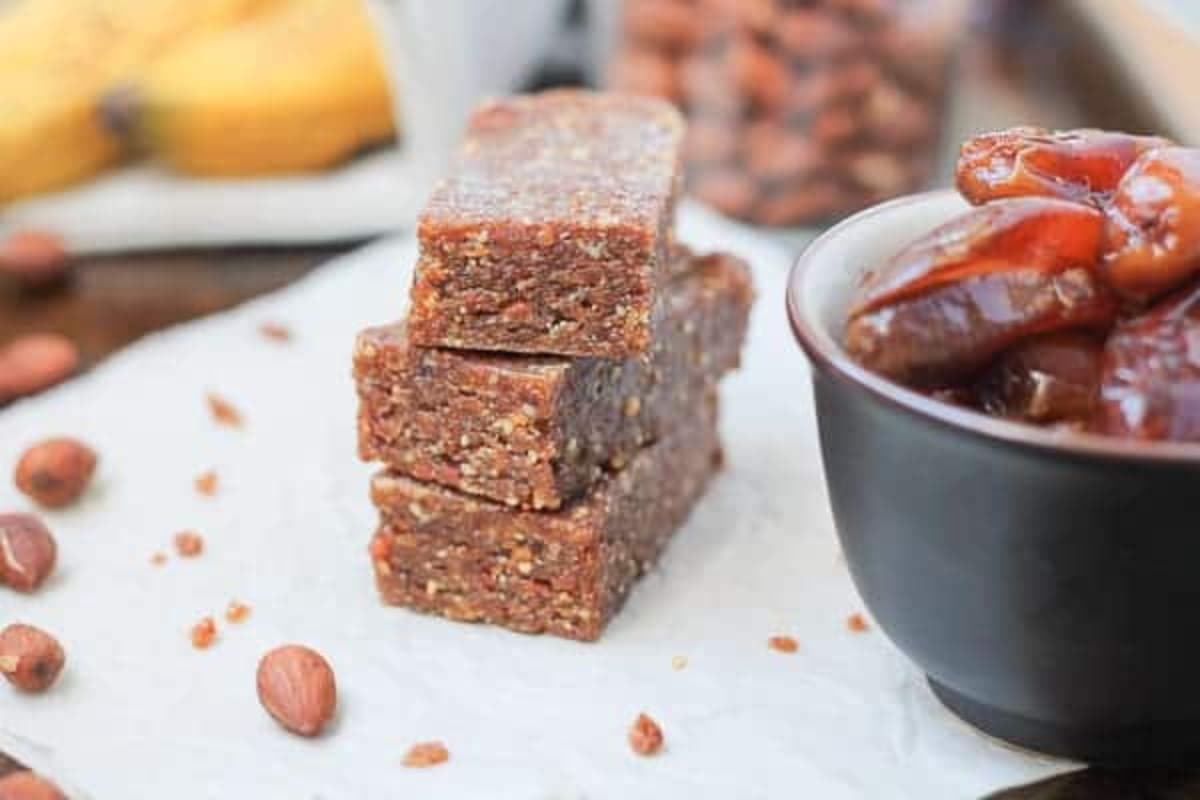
{"x":1047,"y":582}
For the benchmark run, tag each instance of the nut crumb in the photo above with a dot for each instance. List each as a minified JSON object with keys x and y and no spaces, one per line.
{"x":206,"y":483}
{"x":645,"y":737}
{"x":189,"y":544}
{"x":275,"y":332}
{"x":426,"y":754}
{"x":857,"y":623}
{"x":204,"y":633}
{"x":223,"y":412}
{"x":679,"y":662}
{"x":236,"y":612}
{"x":783,"y":644}
{"x":158,"y":559}
{"x":381,"y":548}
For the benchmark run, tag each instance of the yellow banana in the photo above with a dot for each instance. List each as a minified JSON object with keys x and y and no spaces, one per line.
{"x":59,"y":57}
{"x":299,"y":88}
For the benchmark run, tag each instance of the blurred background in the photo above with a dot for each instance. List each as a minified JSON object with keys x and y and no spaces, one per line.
{"x":165,"y":159}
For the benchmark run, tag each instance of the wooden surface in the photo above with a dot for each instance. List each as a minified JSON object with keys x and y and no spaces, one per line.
{"x":108,"y":302}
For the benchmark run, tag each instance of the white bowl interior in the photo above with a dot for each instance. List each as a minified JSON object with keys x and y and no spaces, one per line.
{"x":838,"y":259}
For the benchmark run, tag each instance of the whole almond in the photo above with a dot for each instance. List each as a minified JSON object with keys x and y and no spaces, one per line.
{"x":27,"y":552}
{"x":30,"y":658}
{"x":35,"y":362}
{"x":33,"y":257}
{"x":28,"y":785}
{"x":641,"y":70}
{"x":296,"y":686}
{"x":55,"y":472}
{"x":669,"y":24}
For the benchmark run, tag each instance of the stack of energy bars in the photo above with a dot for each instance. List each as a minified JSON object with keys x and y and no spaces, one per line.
{"x":546,"y":416}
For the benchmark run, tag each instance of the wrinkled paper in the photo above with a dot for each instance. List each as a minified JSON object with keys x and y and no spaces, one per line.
{"x":139,"y":713}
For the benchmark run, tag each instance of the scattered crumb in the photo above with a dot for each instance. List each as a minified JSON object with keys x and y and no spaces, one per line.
{"x":679,"y":662}
{"x":204,"y":633}
{"x":426,"y":754}
{"x":783,"y":644}
{"x":857,"y":623}
{"x":189,"y":544}
{"x":158,"y":559}
{"x":206,"y":484}
{"x":275,"y":332}
{"x":237,"y":612}
{"x":645,"y":737}
{"x":223,"y":413}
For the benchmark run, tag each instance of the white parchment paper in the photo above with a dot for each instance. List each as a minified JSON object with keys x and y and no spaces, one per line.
{"x":140,"y":714}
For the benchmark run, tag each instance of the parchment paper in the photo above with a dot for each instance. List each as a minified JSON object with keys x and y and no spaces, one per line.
{"x":141,"y":714}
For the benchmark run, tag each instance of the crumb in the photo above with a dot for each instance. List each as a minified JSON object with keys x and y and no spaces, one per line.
{"x":275,"y":332}
{"x":237,"y":612}
{"x":783,"y":644}
{"x":679,"y":662}
{"x":645,"y":737}
{"x":223,"y":413}
{"x":158,"y":559}
{"x":206,"y":484}
{"x":203,"y":633}
{"x":857,"y":623}
{"x":189,"y":544}
{"x":381,"y":548}
{"x":426,"y":754}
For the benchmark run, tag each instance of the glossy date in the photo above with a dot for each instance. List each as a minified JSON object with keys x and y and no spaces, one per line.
{"x":1153,"y":224}
{"x":948,"y":335}
{"x":1031,"y":233}
{"x":1150,"y":384}
{"x":1083,"y":165}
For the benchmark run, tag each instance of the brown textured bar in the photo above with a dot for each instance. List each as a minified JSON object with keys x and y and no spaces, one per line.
{"x":537,"y":431}
{"x":563,"y":572}
{"x":551,"y":233}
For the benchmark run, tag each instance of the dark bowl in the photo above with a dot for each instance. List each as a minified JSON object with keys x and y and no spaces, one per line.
{"x":1047,"y":583}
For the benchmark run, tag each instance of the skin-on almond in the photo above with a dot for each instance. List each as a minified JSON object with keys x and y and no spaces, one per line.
{"x":296,"y":686}
{"x":30,"y":658}
{"x":33,"y":257}
{"x":27,"y":552}
{"x":35,"y":362}
{"x":54,"y":473}
{"x":28,"y":785}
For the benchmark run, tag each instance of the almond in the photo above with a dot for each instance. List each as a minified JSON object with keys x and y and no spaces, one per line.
{"x":30,"y":658}
{"x":296,"y":686}
{"x":28,"y":785}
{"x":35,"y":362}
{"x":33,"y":257}
{"x":27,"y":552}
{"x":54,"y":473}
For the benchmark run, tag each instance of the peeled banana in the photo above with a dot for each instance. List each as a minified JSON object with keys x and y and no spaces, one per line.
{"x":295,"y":89}
{"x":59,"y":57}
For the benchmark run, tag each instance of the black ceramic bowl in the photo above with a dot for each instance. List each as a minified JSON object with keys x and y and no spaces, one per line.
{"x":1047,"y":583}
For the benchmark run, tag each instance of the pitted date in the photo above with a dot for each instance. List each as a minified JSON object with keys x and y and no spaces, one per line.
{"x":1153,"y":227}
{"x":1082,"y":165}
{"x":1046,"y":379}
{"x":1150,"y":384}
{"x":949,"y":334}
{"x":1031,"y":233}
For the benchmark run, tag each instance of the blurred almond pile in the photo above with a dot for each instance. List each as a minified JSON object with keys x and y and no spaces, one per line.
{"x":207,"y":87}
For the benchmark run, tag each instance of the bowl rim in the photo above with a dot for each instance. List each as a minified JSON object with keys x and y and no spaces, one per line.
{"x":827,"y":355}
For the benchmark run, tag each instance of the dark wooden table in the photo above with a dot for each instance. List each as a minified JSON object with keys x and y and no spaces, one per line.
{"x":1036,"y":67}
